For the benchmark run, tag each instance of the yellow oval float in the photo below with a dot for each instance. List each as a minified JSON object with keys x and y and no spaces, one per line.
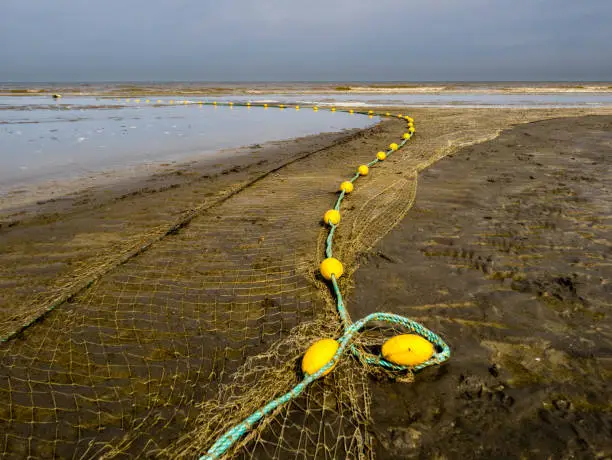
{"x":363,"y":170}
{"x":407,"y":350}
{"x":381,"y":155}
{"x":346,"y":187}
{"x":332,"y":217}
{"x":318,"y":355}
{"x":331,"y":266}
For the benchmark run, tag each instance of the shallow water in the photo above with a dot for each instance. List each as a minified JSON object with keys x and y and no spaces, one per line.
{"x":466,"y":100}
{"x":41,"y":139}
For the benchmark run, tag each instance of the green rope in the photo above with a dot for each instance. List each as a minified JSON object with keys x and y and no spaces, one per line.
{"x":441,"y":349}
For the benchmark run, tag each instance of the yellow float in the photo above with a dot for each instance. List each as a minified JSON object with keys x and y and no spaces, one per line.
{"x":381,"y":156}
{"x":407,"y":350}
{"x":331,"y":217}
{"x":393,"y":146}
{"x":318,"y":355}
{"x":346,"y":187}
{"x":331,"y":266}
{"x":406,"y":136}
{"x":363,"y":170}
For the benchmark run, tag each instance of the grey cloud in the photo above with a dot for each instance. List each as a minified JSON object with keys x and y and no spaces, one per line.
{"x":73,"y":40}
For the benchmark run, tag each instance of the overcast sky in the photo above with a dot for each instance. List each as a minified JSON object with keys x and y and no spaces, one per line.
{"x":248,"y":40}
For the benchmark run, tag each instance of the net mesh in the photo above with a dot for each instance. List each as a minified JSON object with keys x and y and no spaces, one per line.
{"x":172,"y":345}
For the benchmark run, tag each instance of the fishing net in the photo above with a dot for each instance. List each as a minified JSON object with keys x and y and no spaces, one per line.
{"x":173,"y":332}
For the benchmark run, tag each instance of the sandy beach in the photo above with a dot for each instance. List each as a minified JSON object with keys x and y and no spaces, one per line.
{"x":506,"y":253}
{"x":156,"y":303}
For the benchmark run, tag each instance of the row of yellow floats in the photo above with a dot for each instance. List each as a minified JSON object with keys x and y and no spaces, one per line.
{"x":404,"y":349}
{"x":231,"y":104}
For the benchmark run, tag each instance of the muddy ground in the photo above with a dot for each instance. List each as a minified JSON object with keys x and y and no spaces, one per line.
{"x":506,"y":254}
{"x":143,"y":300}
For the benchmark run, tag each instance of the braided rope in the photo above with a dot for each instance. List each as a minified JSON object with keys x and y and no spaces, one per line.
{"x":441,"y":349}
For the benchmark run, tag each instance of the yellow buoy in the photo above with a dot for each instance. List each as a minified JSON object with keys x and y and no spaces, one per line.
{"x":370,"y":112}
{"x":215,"y":103}
{"x":265,"y":106}
{"x":315,"y":108}
{"x":282,"y":106}
{"x":297,"y":107}
{"x":318,"y":355}
{"x":351,"y":111}
{"x":159,"y":101}
{"x":331,"y":266}
{"x":410,"y":119}
{"x":388,"y":114}
{"x":333,"y":109}
{"x":363,"y":170}
{"x":406,"y":136}
{"x":393,"y":146}
{"x":185,"y":102}
{"x":407,"y":350}
{"x":171,"y":101}
{"x":346,"y":187}
{"x":331,"y":217}
{"x":411,"y":129}
{"x":381,"y":156}
{"x":231,"y":103}
{"x":399,"y":115}
{"x":248,"y":104}
{"x":147,"y":101}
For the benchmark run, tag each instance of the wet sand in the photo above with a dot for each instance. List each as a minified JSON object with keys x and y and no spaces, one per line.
{"x":506,"y":253}
{"x":148,"y":297}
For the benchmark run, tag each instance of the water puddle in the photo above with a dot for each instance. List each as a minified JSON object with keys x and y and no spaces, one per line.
{"x":41,"y":139}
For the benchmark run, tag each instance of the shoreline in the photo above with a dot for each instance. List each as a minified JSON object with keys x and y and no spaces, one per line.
{"x":254,"y":88}
{"x":27,"y":200}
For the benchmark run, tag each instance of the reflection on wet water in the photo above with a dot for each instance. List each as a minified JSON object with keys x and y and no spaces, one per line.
{"x":42,"y":139}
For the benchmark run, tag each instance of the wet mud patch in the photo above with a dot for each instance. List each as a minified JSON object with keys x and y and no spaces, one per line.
{"x":506,"y":254}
